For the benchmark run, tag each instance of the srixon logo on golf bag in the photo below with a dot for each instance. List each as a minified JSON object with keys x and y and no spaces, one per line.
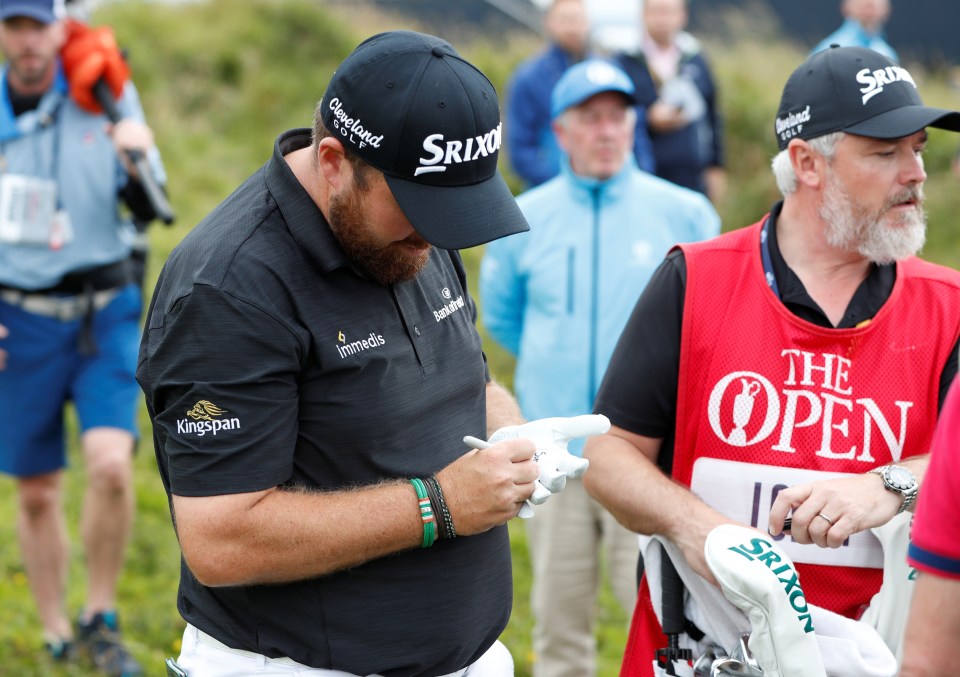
{"x":761,"y":550}
{"x":813,"y":407}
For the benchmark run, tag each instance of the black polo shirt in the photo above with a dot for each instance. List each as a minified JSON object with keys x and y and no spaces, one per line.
{"x":269,"y":360}
{"x":648,"y":351}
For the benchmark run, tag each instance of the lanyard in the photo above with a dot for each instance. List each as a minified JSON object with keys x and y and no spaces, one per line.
{"x":768,"y":266}
{"x":766,"y":258}
{"x":47,"y":116}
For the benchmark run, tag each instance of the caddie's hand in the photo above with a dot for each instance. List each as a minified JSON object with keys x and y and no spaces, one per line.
{"x":4,"y":333}
{"x":551,"y":436}
{"x":828,"y":512}
{"x":486,"y":488}
{"x":129,"y":134}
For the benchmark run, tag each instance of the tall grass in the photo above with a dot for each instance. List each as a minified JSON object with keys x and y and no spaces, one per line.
{"x":219,"y":80}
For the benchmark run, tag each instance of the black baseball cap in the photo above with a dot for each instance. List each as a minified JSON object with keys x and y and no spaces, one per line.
{"x":855,"y":90}
{"x":408,"y":104}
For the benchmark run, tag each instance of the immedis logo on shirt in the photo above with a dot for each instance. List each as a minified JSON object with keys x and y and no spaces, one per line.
{"x":207,"y":418}
{"x":345,"y":348}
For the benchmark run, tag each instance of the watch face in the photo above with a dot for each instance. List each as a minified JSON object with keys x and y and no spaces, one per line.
{"x":901,"y":478}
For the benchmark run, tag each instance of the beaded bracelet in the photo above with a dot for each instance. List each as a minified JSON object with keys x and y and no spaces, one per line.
{"x":445,"y":524}
{"x":426,"y":513}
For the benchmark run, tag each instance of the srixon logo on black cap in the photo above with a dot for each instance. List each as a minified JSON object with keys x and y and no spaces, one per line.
{"x":444,"y":153}
{"x":875,"y":80}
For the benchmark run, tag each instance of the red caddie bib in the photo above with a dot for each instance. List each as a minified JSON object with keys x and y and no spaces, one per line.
{"x":767,"y":400}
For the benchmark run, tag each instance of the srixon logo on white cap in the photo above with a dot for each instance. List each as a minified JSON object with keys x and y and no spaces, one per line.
{"x":876,"y":79}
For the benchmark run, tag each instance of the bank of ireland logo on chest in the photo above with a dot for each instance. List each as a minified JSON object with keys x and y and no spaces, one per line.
{"x":450,"y":306}
{"x":811,"y":406}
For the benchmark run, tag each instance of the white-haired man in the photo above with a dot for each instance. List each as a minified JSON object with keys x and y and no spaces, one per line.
{"x":797,"y":364}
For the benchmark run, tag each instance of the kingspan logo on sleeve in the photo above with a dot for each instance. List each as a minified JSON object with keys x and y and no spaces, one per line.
{"x":207,"y":418}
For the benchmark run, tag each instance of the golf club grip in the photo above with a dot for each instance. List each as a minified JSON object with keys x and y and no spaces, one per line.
{"x":671,"y":588}
{"x":158,"y":200}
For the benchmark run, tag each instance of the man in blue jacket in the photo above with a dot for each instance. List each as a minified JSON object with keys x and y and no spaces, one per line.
{"x":533,"y":151}
{"x":862,"y":26}
{"x":558,"y":297}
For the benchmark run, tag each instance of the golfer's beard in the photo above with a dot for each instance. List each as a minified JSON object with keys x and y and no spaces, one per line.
{"x":880,"y":237}
{"x":386,"y":264}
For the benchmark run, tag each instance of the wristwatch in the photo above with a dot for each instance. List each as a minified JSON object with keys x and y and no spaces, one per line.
{"x":898,"y":479}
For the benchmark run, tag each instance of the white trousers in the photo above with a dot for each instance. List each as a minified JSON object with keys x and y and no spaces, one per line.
{"x":203,"y":656}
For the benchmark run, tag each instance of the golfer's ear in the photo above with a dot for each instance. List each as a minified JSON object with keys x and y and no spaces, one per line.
{"x":332,"y":163}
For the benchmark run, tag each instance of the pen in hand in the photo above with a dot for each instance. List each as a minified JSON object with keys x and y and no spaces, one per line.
{"x":526,"y":510}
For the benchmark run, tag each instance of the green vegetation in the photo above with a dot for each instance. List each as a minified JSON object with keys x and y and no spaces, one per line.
{"x":219,"y":80}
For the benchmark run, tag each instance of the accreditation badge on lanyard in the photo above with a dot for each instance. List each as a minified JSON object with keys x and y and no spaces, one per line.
{"x":29,"y":213}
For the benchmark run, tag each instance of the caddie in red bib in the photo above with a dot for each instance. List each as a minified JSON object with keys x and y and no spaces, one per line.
{"x":788,"y":375}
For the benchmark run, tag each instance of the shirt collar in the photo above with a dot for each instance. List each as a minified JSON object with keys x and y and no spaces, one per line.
{"x":302,"y":215}
{"x":664,"y":61}
{"x":861,"y":32}
{"x":609,"y":188}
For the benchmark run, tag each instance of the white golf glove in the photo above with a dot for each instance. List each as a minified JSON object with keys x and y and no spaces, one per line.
{"x":551,"y":435}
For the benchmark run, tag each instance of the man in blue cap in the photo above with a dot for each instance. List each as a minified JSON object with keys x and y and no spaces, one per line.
{"x":531,"y":145}
{"x":69,"y":321}
{"x":557,"y":297}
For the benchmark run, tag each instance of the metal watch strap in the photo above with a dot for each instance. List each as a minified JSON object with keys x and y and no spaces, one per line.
{"x":909,"y":497}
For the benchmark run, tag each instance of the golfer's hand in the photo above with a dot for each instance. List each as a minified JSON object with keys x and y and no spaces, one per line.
{"x":486,"y":488}
{"x":551,"y":435}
